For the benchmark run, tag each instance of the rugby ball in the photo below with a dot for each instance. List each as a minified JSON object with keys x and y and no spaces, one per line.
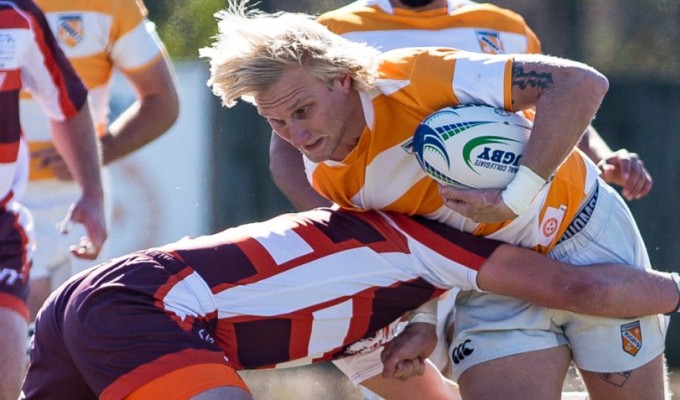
{"x":471,"y":146}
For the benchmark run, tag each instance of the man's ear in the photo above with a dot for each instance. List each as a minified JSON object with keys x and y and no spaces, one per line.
{"x":344,"y":81}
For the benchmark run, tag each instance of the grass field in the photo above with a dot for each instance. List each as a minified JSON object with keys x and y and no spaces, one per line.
{"x":325,"y":382}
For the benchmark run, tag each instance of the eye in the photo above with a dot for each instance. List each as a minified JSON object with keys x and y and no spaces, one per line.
{"x":301,"y":112}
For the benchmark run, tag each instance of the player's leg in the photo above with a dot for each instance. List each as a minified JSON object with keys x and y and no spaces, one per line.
{"x":623,"y":357}
{"x":644,"y":383}
{"x":12,"y":352}
{"x":533,"y":375}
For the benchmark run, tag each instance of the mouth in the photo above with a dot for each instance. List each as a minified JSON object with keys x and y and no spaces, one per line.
{"x":312,"y":146}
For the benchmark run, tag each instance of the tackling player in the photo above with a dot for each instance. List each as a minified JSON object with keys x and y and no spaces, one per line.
{"x":178,"y":321}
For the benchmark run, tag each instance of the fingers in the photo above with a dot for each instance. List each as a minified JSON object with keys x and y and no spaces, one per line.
{"x":85,"y":250}
{"x":627,"y":170}
{"x":92,"y":218}
{"x":409,"y":368}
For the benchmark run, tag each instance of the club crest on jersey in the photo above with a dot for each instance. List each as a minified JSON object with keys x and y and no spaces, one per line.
{"x":70,"y":29}
{"x":631,"y":338}
{"x":490,"y":42}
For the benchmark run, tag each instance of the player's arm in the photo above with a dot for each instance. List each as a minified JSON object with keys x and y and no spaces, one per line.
{"x":75,"y":140}
{"x":288,"y":171}
{"x":609,"y":290}
{"x":566,"y":95}
{"x":621,"y":167}
{"x":152,"y":114}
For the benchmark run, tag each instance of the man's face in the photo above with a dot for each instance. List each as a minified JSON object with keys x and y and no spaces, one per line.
{"x":316,"y":117}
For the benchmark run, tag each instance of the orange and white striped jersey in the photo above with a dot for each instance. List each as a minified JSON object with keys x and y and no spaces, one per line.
{"x":463,"y":24}
{"x":97,"y":36}
{"x":381,"y":172}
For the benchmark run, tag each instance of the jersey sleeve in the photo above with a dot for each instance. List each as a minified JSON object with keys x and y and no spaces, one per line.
{"x":134,"y":44}
{"x":439,"y":77}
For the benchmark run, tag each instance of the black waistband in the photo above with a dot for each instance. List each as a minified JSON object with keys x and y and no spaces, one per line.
{"x":582,"y":216}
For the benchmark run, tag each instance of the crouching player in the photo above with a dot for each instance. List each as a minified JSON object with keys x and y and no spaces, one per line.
{"x":178,"y":321}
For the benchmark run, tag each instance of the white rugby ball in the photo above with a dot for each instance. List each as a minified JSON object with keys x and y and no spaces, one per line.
{"x":471,"y":146}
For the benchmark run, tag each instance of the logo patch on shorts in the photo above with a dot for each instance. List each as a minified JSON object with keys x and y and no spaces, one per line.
{"x":631,"y":338}
{"x":461,"y":351}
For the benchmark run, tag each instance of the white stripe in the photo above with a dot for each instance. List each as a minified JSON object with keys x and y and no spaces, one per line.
{"x":459,"y":38}
{"x":282,"y":243}
{"x":316,"y":282}
{"x":137,"y":48}
{"x":96,"y":30}
{"x":392,"y":162}
{"x":329,"y":328}
{"x":480,"y":79}
{"x":189,"y":297}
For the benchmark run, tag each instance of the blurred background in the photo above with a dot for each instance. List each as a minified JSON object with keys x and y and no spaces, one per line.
{"x":210,"y":171}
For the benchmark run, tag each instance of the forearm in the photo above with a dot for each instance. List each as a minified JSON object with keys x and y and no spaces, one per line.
{"x":609,"y":290}
{"x":593,"y":145}
{"x":288,"y":172}
{"x":75,"y":141}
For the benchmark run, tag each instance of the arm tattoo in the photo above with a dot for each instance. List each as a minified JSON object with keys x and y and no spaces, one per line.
{"x":534,"y":79}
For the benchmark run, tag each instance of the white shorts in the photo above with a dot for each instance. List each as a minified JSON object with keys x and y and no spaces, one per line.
{"x":49,"y":200}
{"x":490,"y":326}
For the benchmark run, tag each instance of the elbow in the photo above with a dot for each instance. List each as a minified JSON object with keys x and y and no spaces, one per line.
{"x":593,"y":84}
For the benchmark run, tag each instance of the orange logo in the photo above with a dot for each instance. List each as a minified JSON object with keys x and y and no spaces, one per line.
{"x":490,"y":42}
{"x":549,"y":227}
{"x":631,"y":338}
{"x":70,"y":30}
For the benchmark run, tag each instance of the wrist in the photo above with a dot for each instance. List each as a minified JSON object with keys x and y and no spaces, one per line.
{"x":422,"y":317}
{"x":521,"y":191}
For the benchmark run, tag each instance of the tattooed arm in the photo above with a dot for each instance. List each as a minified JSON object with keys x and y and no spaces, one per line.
{"x":566,"y":95}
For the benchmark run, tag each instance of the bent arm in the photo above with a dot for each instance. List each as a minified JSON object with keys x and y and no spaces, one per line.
{"x":288,"y":171}
{"x":608,"y":290}
{"x":566,"y":95}
{"x":76,"y":142}
{"x":154,"y":112}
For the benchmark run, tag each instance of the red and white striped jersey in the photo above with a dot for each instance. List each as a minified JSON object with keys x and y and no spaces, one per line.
{"x":30,"y":60}
{"x":381,"y":173}
{"x":311,"y":284}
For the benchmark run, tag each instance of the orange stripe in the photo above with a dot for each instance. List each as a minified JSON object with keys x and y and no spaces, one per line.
{"x":35,"y":171}
{"x":188,"y":382}
{"x":157,"y":370}
{"x":14,"y":303}
{"x":507,"y":91}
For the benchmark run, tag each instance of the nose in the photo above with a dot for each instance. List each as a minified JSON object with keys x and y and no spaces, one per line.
{"x":299,"y":136}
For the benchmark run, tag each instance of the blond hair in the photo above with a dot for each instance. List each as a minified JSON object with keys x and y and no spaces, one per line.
{"x":253,"y":48}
